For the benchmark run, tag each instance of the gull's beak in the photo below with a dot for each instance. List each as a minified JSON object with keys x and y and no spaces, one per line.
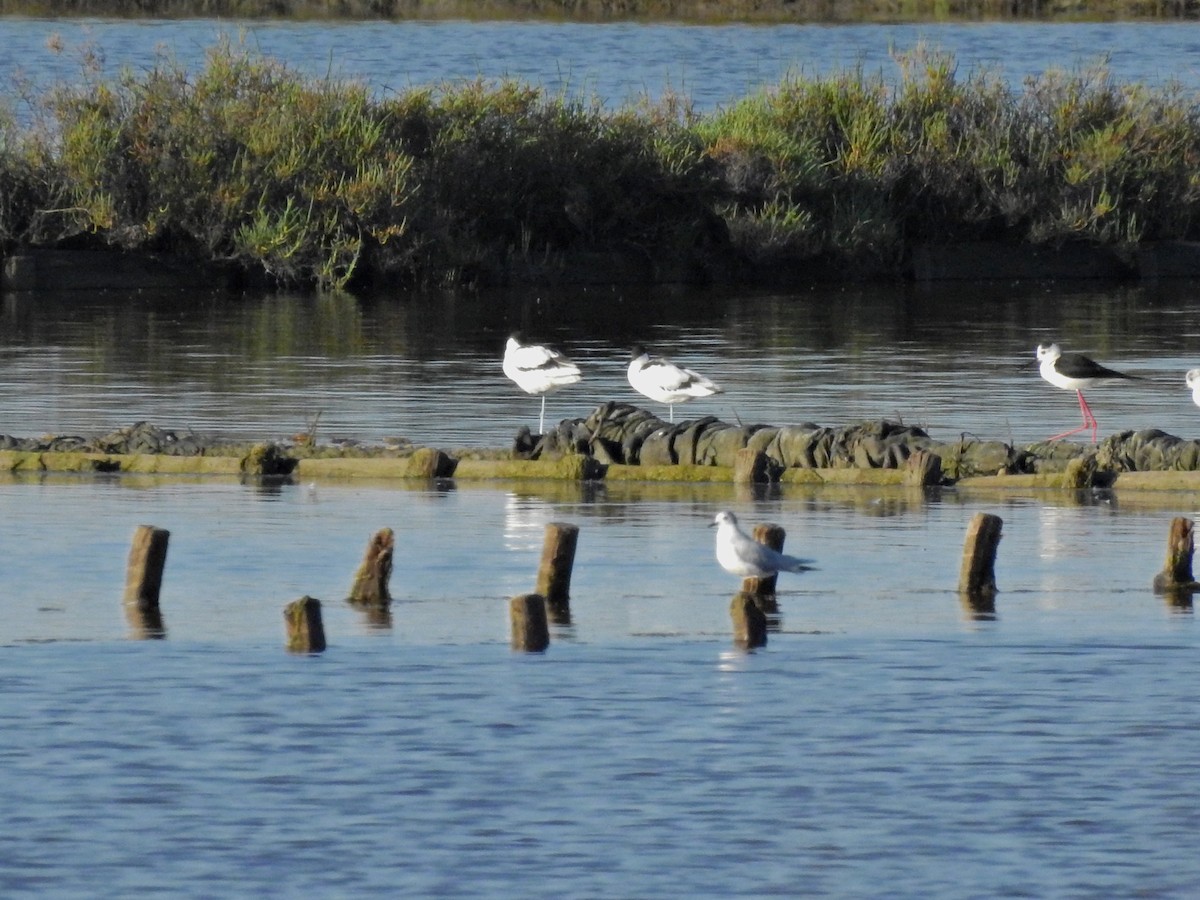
{"x":712,"y":524}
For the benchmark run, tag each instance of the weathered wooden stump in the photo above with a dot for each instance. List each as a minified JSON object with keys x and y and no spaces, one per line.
{"x":305,"y":632}
{"x":530,"y":632}
{"x":144,"y":575}
{"x":977,"y":577}
{"x":749,"y":621}
{"x":923,"y":469}
{"x":558,"y":559}
{"x":370,"y":586}
{"x":773,"y":536}
{"x":1176,"y":576}
{"x":429,"y":462}
{"x":751,"y":467}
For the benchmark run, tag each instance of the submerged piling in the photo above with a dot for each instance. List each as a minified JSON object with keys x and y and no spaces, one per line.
{"x":429,"y":462}
{"x":305,"y":631}
{"x":751,"y":467}
{"x":773,"y":536}
{"x":1176,"y":575}
{"x":923,"y":469}
{"x":749,"y":621}
{"x":370,"y":586}
{"x":558,"y":559}
{"x":530,"y":631}
{"x":143,"y":579}
{"x":977,"y":576}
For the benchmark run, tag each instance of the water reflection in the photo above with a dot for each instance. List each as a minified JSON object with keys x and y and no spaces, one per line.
{"x":427,"y":367}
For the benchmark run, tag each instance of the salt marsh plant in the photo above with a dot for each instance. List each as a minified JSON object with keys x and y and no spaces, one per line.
{"x":322,"y":182}
{"x":246,"y":161}
{"x":857,"y":169}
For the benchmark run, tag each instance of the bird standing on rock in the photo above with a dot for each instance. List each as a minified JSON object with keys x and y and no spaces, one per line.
{"x":660,"y":379}
{"x":1074,"y":372}
{"x":538,"y":370}
{"x":740,"y":554}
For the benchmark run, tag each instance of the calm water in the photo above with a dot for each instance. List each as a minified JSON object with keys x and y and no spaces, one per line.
{"x":884,"y":736}
{"x":616,"y":63}
{"x":428,"y":368}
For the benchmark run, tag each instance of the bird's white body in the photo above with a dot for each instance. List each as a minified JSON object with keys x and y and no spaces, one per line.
{"x":538,"y":370}
{"x":1071,"y":371}
{"x":1193,"y":381}
{"x":740,"y":554}
{"x":665,"y":382}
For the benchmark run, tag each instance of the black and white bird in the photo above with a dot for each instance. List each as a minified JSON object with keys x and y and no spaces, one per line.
{"x":662,"y":380}
{"x":1074,"y":372}
{"x":1193,"y":381}
{"x":740,"y":554}
{"x":538,"y":370}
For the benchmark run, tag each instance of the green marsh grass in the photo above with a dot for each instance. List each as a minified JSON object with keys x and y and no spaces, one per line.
{"x":319,"y":182}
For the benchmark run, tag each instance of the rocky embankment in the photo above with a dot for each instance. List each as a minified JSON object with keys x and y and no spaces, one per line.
{"x":632,"y":438}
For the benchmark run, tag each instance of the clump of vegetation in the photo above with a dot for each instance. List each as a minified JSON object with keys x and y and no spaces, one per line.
{"x":848,"y":167}
{"x":319,"y":182}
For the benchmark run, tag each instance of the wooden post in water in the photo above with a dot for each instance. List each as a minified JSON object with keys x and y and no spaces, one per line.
{"x":305,"y":632}
{"x":773,"y":536}
{"x":749,"y":621}
{"x":558,"y":558}
{"x":143,"y":579}
{"x":923,"y":469}
{"x":977,"y":577}
{"x":751,"y":467}
{"x":429,"y":462}
{"x":371,"y":580}
{"x":1176,"y":575}
{"x":530,"y":632}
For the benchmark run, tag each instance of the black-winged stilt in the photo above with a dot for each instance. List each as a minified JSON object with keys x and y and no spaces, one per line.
{"x":740,"y":554}
{"x":538,"y":370}
{"x":1074,"y":372}
{"x":664,"y":381}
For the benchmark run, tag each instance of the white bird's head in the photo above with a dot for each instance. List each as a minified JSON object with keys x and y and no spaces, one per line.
{"x":1193,"y":378}
{"x":724,"y":518}
{"x":1047,"y":351}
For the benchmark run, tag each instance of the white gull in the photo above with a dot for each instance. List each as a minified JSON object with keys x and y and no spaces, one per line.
{"x":740,"y":554}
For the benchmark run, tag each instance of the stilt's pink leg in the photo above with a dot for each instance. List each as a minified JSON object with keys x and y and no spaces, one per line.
{"x":1089,"y":421}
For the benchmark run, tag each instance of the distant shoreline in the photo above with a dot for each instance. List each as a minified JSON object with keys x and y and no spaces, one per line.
{"x":717,"y":11}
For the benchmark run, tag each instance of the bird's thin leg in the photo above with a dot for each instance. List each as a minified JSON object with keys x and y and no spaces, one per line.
{"x":1088,"y":418}
{"x":671,"y":412}
{"x":542,"y":417}
{"x":1089,"y":421}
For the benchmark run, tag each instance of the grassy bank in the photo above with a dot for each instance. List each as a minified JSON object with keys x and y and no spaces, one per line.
{"x":706,"y":11}
{"x":302,"y":181}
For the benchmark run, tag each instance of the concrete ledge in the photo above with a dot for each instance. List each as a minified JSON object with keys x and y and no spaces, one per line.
{"x":842,"y":476}
{"x":1158,"y":481}
{"x":569,"y":468}
{"x":703,"y":474}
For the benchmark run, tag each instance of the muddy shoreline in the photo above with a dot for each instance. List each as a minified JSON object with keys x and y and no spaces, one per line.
{"x":49,"y":269}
